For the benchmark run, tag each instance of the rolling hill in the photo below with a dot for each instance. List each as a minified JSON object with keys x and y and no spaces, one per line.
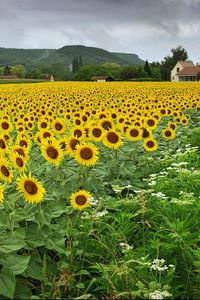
{"x":64,"y":55}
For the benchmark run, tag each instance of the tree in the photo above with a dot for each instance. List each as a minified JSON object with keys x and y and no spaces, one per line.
{"x":75,"y":64}
{"x":18,"y":70}
{"x":147,"y":68}
{"x":111,"y":69}
{"x":6,"y":70}
{"x":178,"y":53}
{"x":86,"y":72}
{"x":80,"y":62}
{"x":156,"y":70}
{"x":1,"y":70}
{"x":34,"y":74}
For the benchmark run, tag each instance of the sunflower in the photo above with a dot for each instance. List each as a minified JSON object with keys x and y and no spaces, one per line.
{"x":18,"y":161}
{"x":43,"y":124}
{"x":78,"y":132}
{"x":6,"y":174}
{"x":172,"y":125}
{"x":80,"y":200}
{"x":150,"y":122}
{"x":51,"y":151}
{"x":150,"y":144}
{"x":86,"y":154}
{"x":106,"y":123}
{"x":168,"y":133}
{"x":3,"y":145}
{"x":1,"y":193}
{"x":45,"y":134}
{"x":5,"y":125}
{"x":19,"y":150}
{"x":95,"y":133}
{"x":112,"y":140}
{"x":184,"y":121}
{"x":58,"y":126}
{"x":31,"y":188}
{"x":133,"y":133}
{"x":71,"y":145}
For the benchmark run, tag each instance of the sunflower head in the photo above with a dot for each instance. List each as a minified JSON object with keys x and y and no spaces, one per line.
{"x":112,"y":140}
{"x":150,"y":144}
{"x":168,"y":133}
{"x":51,"y":151}
{"x":58,"y":126}
{"x":32,"y":190}
{"x":6,"y":173}
{"x":86,"y":154}
{"x":80,"y":200}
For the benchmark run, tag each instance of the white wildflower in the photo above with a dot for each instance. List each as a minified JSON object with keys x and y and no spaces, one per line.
{"x":156,"y":295}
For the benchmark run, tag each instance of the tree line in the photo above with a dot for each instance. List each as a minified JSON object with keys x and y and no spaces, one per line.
{"x":78,"y":71}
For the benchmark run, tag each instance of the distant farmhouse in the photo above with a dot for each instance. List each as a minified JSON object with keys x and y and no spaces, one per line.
{"x":101,"y":78}
{"x":185,"y":71}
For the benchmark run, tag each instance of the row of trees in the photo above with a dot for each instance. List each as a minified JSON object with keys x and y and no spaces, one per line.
{"x":153,"y":71}
{"x":21,"y":72}
{"x":79,"y":71}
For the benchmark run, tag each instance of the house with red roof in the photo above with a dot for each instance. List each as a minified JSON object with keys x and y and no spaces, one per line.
{"x":185,"y":71}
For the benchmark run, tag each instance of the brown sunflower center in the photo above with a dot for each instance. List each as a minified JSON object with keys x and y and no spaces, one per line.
{"x":19,"y":162}
{"x":5,"y":125}
{"x":63,"y":145}
{"x":5,"y":171}
{"x":112,"y":137}
{"x":58,"y":126}
{"x":77,"y":122}
{"x":162,"y":111}
{"x":134,"y":132}
{"x":151,"y":122}
{"x":86,"y":153}
{"x":96,"y":132}
{"x":81,"y":200}
{"x":46,"y":135}
{"x":23,"y":143}
{"x":150,"y":144}
{"x":172,"y":126}
{"x":107,"y":125}
{"x":2,"y":144}
{"x":74,"y":143}
{"x":44,"y":125}
{"x":52,"y":152}
{"x":77,"y":133}
{"x":30,"y":187}
{"x":20,"y":151}
{"x":168,"y":133}
{"x":145,"y":133}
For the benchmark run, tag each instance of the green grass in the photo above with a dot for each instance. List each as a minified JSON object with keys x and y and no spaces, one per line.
{"x":10,"y":81}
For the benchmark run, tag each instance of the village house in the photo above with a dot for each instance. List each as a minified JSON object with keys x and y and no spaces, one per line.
{"x":101,"y":78}
{"x":185,"y":71}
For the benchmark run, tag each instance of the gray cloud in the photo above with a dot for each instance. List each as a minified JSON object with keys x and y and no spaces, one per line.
{"x":149,"y":28}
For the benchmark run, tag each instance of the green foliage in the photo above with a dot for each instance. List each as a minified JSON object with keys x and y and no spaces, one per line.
{"x":7,"y":70}
{"x":147,"y":68}
{"x":57,"y":62}
{"x":178,"y":53}
{"x":1,"y":70}
{"x":18,"y":70}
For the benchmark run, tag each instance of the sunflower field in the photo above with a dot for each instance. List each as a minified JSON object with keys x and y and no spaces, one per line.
{"x":100,"y":190}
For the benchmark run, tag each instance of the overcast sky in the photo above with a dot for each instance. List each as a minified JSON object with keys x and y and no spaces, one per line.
{"x":149,"y":28}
